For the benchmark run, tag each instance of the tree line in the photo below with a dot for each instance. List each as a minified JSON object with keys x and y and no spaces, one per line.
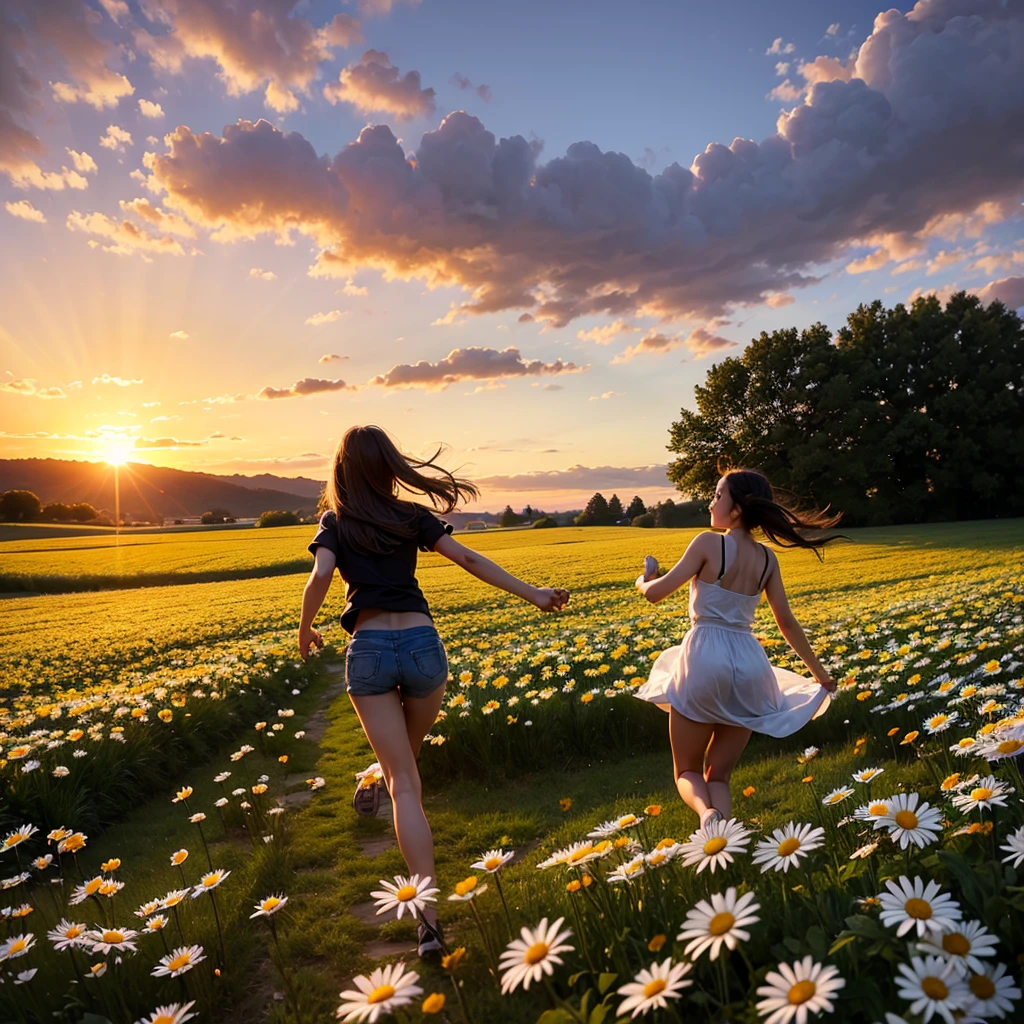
{"x":602,"y":511}
{"x":905,"y":416}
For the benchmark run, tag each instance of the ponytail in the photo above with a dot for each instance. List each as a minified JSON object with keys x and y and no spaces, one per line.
{"x":781,"y":523}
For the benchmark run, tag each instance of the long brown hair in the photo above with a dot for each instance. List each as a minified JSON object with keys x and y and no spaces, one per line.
{"x":781,"y":522}
{"x":362,"y":490}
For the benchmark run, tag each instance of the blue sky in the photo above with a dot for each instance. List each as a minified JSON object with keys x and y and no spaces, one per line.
{"x":174,"y":298}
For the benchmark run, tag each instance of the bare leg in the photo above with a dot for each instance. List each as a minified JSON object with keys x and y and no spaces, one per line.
{"x":724,"y":750}
{"x":390,"y":728}
{"x":689,"y":740}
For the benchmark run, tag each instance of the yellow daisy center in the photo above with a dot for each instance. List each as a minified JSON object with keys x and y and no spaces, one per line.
{"x":712,"y":846}
{"x":801,"y":992}
{"x":789,"y":846}
{"x":629,"y":819}
{"x":981,"y":793}
{"x":112,"y":936}
{"x":934,"y":988}
{"x":536,"y":953}
{"x":879,"y":808}
{"x":492,"y":862}
{"x":1009,"y":746}
{"x":381,"y":994}
{"x":172,"y":901}
{"x":982,"y":987}
{"x":270,"y":904}
{"x":209,"y":881}
{"x":73,"y":932}
{"x":406,"y":893}
{"x":956,"y":944}
{"x":579,"y":854}
{"x":906,"y":819}
{"x":652,"y":988}
{"x":919,"y":909}
{"x":468,"y":885}
{"x":163,"y":1018}
{"x":721,"y":923}
{"x":18,"y":946}
{"x":93,"y":887}
{"x":178,"y":962}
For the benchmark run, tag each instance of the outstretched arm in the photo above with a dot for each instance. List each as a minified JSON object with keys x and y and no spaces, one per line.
{"x":546,"y":598}
{"x":313,"y":595}
{"x":791,"y":629}
{"x":682,"y":572}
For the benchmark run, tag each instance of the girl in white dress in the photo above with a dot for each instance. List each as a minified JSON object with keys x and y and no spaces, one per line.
{"x":717,"y":684}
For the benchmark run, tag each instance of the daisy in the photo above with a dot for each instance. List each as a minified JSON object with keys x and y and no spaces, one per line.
{"x":908,"y":823}
{"x":105,"y":939}
{"x":467,"y":890}
{"x":714,"y":845}
{"x":629,"y":871}
{"x":991,"y":994}
{"x":932,"y":985}
{"x":18,"y":836}
{"x":995,"y":749}
{"x":67,"y":935}
{"x":566,"y":855}
{"x":864,"y":851}
{"x":173,"y":898}
{"x":837,"y":796}
{"x":176,"y":1013}
{"x":709,"y":925}
{"x":786,"y":846}
{"x":385,"y":989}
{"x":81,"y":893}
{"x":412,"y":894}
{"x":182,"y":959}
{"x":962,"y":946}
{"x":916,"y":905}
{"x":650,"y":989}
{"x":268,"y":906}
{"x":16,"y":945}
{"x":867,"y":774}
{"x":984,"y":793}
{"x":156,"y":923}
{"x":808,"y":755}
{"x":492,"y":860}
{"x":16,"y":880}
{"x":609,"y":828}
{"x":795,"y":990}
{"x":940,"y":722}
{"x":873,"y":811}
{"x":209,"y":882}
{"x":1014,"y":847}
{"x":529,"y":958}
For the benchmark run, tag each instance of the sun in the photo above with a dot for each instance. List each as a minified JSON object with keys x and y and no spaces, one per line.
{"x":117,"y":451}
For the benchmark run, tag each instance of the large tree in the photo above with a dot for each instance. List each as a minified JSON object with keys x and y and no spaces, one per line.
{"x":906,"y":415}
{"x":596,"y":512}
{"x":19,"y":506}
{"x":636,"y":507}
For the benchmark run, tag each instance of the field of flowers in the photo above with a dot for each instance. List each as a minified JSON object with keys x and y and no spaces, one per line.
{"x":871,"y":871}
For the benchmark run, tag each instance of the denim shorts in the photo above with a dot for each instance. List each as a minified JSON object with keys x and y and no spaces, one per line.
{"x":412,"y":661}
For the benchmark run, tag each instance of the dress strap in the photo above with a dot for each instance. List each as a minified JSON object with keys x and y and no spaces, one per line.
{"x":764,"y":570}
{"x":722,"y":573}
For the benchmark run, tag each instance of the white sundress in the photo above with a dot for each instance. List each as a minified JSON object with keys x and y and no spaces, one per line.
{"x":719,"y":674}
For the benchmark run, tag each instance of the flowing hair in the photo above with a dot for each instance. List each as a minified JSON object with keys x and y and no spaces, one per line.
{"x":780,"y":522}
{"x":367,"y":473}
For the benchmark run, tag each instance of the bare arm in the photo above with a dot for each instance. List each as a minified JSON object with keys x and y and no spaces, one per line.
{"x":791,"y":629}
{"x":313,"y":595}
{"x":545,"y":598}
{"x":693,"y":560}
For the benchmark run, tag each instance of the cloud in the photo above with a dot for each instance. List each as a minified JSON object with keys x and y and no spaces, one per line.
{"x":25,"y":211}
{"x":317,"y":319}
{"x":786,"y":92}
{"x":121,"y":382}
{"x":605,"y":395}
{"x":469,"y":364}
{"x":148,"y":109}
{"x":124,"y":236}
{"x":833,"y":29}
{"x":779,"y":47}
{"x":944,"y":258}
{"x":161,"y":219}
{"x":606,"y":334}
{"x":30,"y":388}
{"x":463,"y":83}
{"x":780,"y":300}
{"x":913,"y":144}
{"x":997,"y":261}
{"x":179,"y":335}
{"x":83,"y":162}
{"x":699,"y":341}
{"x":375,"y":85}
{"x":168,"y":442}
{"x":379,"y":8}
{"x":263,"y":275}
{"x":308,"y":386}
{"x":352,"y":289}
{"x":331,"y":357}
{"x":580,"y":478}
{"x":116,"y":138}
{"x":1008,"y":290}
{"x":890,"y":246}
{"x":268,"y":46}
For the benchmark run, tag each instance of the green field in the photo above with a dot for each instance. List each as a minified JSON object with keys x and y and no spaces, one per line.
{"x":139,"y":690}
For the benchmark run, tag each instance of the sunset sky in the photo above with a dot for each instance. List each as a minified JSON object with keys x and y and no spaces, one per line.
{"x":233,"y":228}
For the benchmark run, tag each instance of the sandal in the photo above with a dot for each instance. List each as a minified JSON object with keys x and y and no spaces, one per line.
{"x":366,"y":799}
{"x":710,"y":816}
{"x":429,"y":939}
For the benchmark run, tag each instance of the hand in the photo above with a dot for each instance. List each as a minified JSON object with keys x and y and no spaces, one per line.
{"x":640,"y":581}
{"x":651,"y":568}
{"x":829,"y":683}
{"x":307,"y":637}
{"x":550,"y":599}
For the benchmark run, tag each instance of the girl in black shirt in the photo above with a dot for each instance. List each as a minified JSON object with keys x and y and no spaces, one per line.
{"x":396,"y":667}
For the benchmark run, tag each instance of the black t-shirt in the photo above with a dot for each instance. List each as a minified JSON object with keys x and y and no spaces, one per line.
{"x":380,"y":581}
